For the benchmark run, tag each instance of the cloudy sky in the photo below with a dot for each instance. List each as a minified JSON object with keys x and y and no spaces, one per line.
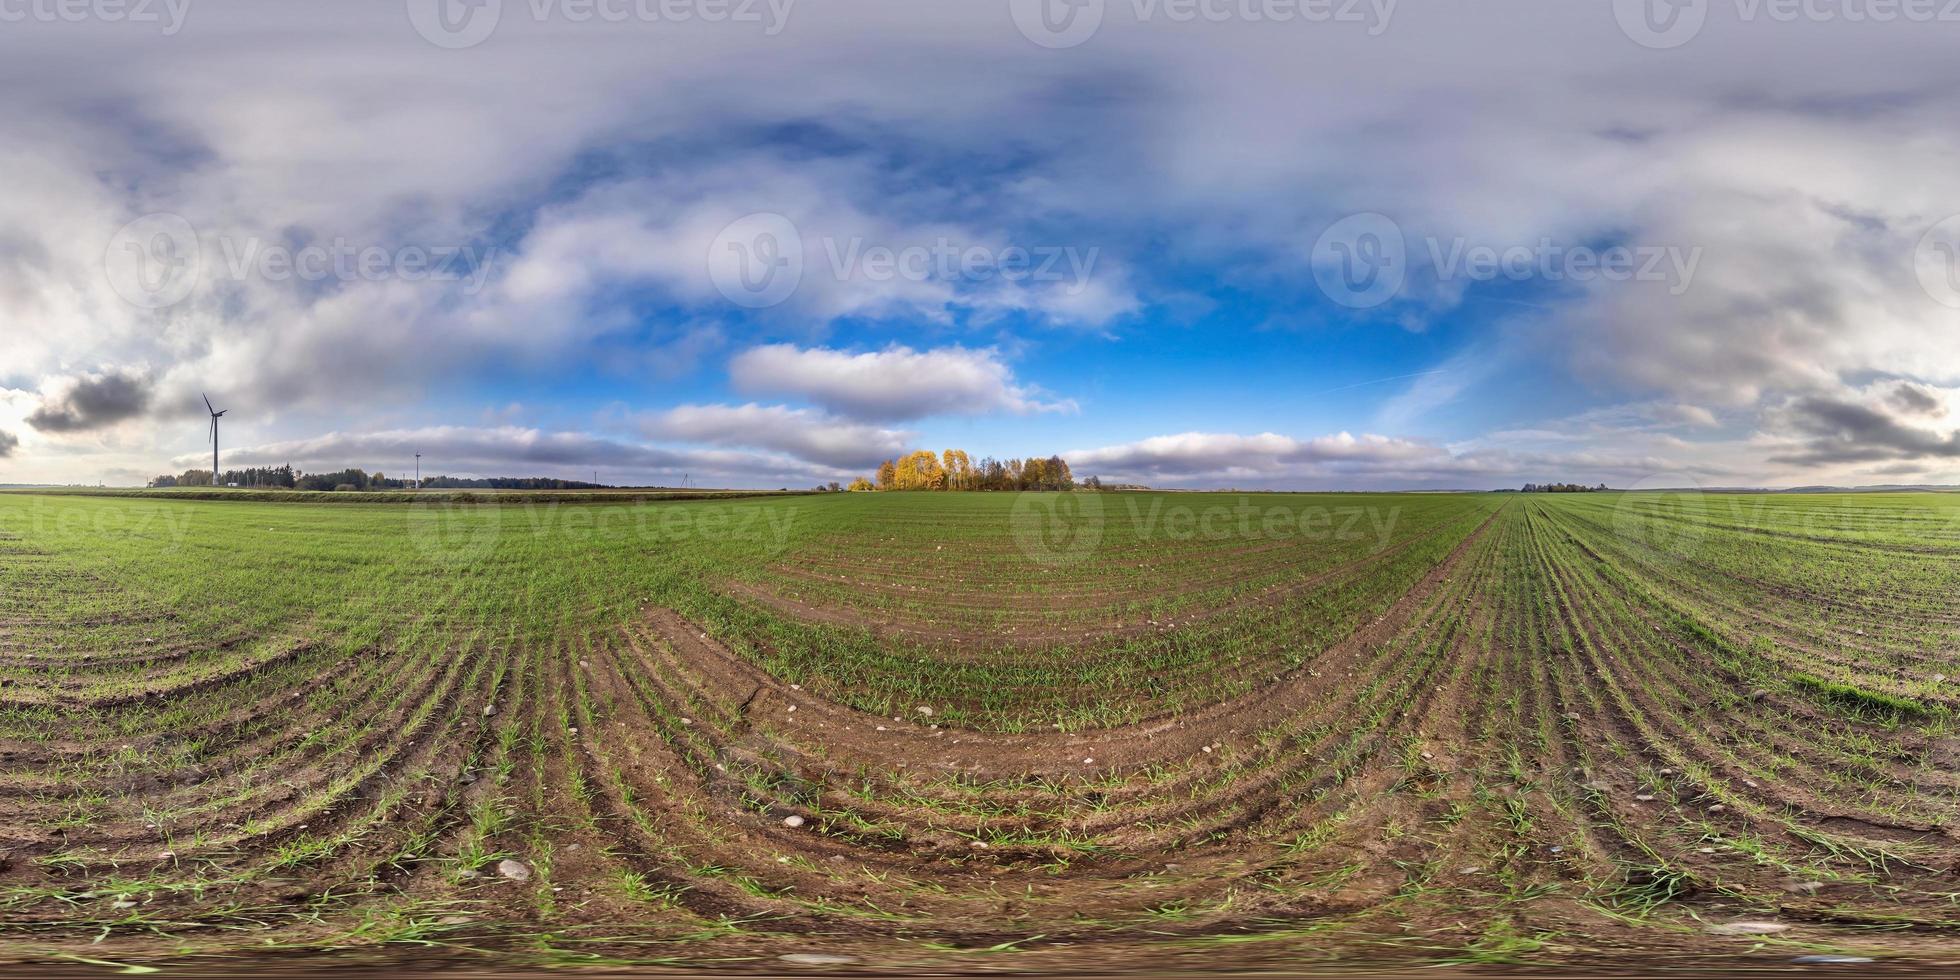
{"x":1251,"y":243}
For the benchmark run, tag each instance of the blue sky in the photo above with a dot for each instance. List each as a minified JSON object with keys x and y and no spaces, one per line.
{"x":1414,"y":247}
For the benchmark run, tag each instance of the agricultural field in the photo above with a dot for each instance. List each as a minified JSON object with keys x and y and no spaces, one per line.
{"x":965,"y":732}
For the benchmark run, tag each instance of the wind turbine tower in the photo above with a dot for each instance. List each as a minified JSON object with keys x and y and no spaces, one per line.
{"x":215,"y":416}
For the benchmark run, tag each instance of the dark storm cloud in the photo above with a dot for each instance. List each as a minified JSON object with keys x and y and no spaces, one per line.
{"x":91,"y":401}
{"x":8,"y":443}
{"x":1914,"y":400}
{"x":1847,"y":432}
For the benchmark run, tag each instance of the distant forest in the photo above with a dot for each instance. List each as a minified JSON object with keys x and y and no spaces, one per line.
{"x":1562,"y":488}
{"x":952,"y":469}
{"x":285,"y":477}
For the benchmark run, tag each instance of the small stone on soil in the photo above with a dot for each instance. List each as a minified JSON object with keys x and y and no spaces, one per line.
{"x":1828,"y":958}
{"x":514,"y":870}
{"x":819,"y":959}
{"x":489,"y":709}
{"x":792,"y":822}
{"x":1748,"y":928}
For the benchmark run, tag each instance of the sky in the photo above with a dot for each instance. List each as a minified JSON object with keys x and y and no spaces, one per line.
{"x":1259,"y":244}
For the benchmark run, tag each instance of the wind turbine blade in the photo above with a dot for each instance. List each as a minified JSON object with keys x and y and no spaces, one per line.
{"x":207,"y":404}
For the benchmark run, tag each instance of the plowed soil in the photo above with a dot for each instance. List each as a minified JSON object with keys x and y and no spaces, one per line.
{"x":1562,"y":740}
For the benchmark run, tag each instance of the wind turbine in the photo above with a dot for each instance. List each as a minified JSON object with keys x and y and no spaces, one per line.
{"x":215,"y":416}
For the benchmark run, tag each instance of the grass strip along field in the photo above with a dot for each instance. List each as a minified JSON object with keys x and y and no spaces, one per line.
{"x":948,"y":731}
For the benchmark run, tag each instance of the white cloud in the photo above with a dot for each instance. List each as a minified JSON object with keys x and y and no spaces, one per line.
{"x":804,"y":434}
{"x":1805,"y":164}
{"x":1341,"y":461}
{"x":894,"y":384}
{"x":516,"y":451}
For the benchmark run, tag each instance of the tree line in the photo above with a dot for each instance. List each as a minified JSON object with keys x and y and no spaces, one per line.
{"x":287,"y":478}
{"x":1562,"y":488}
{"x":954,"y":469}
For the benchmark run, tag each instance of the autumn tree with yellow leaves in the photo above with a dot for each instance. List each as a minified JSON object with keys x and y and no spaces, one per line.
{"x":953,"y":469}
